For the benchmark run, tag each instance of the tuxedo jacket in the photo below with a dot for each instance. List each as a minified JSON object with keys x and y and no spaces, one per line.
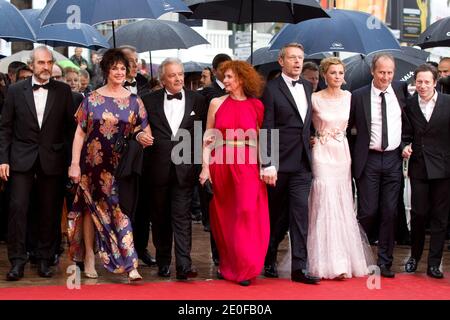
{"x":21,"y":139}
{"x":360,"y":119}
{"x":157,"y":158}
{"x":212,"y":91}
{"x":430,"y":158}
{"x":281,"y":112}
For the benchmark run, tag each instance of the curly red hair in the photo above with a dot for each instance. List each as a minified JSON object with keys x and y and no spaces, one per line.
{"x":253,"y":82}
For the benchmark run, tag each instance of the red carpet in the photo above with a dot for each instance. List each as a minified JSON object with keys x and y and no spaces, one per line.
{"x":403,"y":287}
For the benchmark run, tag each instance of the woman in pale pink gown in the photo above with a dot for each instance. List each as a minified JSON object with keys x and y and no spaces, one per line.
{"x":336,"y":247}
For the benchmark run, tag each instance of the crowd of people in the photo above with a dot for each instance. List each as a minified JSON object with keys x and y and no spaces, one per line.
{"x":111,"y":154}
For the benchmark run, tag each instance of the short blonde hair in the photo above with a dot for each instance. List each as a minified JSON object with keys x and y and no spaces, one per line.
{"x":282,"y":51}
{"x":330,"y":61}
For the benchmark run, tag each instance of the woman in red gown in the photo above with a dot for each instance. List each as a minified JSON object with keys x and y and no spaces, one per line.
{"x":239,"y":211}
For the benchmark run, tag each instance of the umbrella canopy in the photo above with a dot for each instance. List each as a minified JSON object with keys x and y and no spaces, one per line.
{"x":264,"y":56}
{"x":358,"y":73}
{"x":13,"y":26}
{"x":436,"y":35}
{"x":350,"y":31}
{"x":194,"y":66}
{"x":98,"y":11}
{"x":150,"y":35}
{"x":60,"y":34}
{"x":251,"y":11}
{"x":24,"y":56}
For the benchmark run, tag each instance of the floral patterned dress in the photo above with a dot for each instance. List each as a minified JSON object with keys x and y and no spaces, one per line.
{"x":104,"y":119}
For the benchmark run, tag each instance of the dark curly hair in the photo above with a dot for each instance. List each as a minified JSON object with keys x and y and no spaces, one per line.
{"x":112,"y":57}
{"x":253,"y":82}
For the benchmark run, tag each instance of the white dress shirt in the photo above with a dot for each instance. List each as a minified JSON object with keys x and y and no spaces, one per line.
{"x":40,"y":100}
{"x":393,"y":116}
{"x":298,"y":92}
{"x":427,"y":107}
{"x":220,"y":84}
{"x":174,"y":111}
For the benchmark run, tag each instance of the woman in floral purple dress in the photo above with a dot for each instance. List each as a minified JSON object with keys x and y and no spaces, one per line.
{"x":105,"y":115}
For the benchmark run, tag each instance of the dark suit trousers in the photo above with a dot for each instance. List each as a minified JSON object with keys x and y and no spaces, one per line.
{"x":141,"y":221}
{"x":429,"y":198}
{"x":378,"y":193}
{"x":288,"y":207}
{"x":49,"y":193}
{"x":171,"y":219}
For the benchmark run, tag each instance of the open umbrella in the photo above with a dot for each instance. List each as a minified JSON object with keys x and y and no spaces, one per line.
{"x":24,"y":56}
{"x":358,"y":72}
{"x":350,"y":31}
{"x":98,"y":11}
{"x":60,"y":34}
{"x":251,"y":11}
{"x":194,"y":66}
{"x":436,"y":35}
{"x":13,"y":26}
{"x":149,"y":35}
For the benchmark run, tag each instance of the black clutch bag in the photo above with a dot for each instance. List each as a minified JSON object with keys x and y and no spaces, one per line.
{"x":208,"y":187}
{"x":121,"y":145}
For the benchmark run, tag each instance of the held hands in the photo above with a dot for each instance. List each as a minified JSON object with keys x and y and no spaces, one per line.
{"x":407,"y":151}
{"x":269,"y":176}
{"x":204,"y":176}
{"x":4,"y":171}
{"x":145,"y":139}
{"x":75,"y":173}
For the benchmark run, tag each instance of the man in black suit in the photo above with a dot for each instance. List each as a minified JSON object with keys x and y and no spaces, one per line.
{"x":136,"y":83}
{"x":376,"y":114}
{"x":287,"y":102}
{"x":33,"y":137}
{"x":168,"y":175}
{"x":216,"y":88}
{"x":429,"y":168}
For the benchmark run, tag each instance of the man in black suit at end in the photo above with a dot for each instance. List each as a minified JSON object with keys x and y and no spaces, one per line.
{"x":287,"y":110}
{"x":33,"y":138}
{"x":376,"y":113}
{"x":168,"y":175}
{"x":429,"y":168}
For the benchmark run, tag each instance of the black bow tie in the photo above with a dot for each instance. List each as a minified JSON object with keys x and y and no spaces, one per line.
{"x":129,"y":84}
{"x":177,"y":95}
{"x":38,"y":86}
{"x":299,"y":81}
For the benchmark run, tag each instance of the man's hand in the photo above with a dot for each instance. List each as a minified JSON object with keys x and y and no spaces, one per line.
{"x":269,"y":176}
{"x":145,"y":139}
{"x":4,"y":171}
{"x":407,"y":151}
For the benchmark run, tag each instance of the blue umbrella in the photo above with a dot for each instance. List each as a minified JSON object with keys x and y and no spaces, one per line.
{"x":350,"y":31}
{"x":13,"y":26}
{"x":60,"y":34}
{"x":98,"y":11}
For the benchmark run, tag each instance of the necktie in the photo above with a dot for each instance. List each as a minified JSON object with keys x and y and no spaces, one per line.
{"x":177,"y":95}
{"x":384,"y":129}
{"x":299,"y":81}
{"x":38,"y":86}
{"x":129,"y":84}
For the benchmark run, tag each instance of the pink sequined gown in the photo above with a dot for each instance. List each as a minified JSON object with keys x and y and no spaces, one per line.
{"x":335,"y":245}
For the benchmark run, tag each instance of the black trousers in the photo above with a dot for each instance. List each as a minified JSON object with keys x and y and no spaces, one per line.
{"x":288,"y":209}
{"x":48,"y":211}
{"x":429,"y":199}
{"x":171,"y":220}
{"x":378,"y":196}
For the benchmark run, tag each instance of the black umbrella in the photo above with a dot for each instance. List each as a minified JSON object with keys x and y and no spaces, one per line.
{"x":194,"y":66}
{"x":358,"y":72}
{"x":251,"y":11}
{"x":436,"y":35}
{"x":149,"y":35}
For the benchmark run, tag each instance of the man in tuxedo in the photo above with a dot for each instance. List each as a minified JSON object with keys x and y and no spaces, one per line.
{"x":287,"y":101}
{"x":429,"y":168}
{"x":33,"y":137}
{"x":376,"y":113}
{"x":167,"y":183}
{"x":135,"y":82}
{"x":216,"y":88}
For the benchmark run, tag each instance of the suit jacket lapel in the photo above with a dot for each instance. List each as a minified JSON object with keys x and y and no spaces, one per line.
{"x":308,"y":93}
{"x":285,"y":90}
{"x":437,"y":112}
{"x":29,"y":98}
{"x":416,"y":108}
{"x":188,"y":106}
{"x":160,"y":111}
{"x":51,"y":96}
{"x":367,"y":108}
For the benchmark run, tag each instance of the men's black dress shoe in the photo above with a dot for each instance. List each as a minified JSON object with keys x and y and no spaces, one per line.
{"x":245,"y":283}
{"x":434,"y":272}
{"x":386,"y":271}
{"x":270,"y":271}
{"x":44,"y":270}
{"x":301,"y":276}
{"x":15,"y":273}
{"x":164,"y":271}
{"x":184,"y":275}
{"x":411,"y":265}
{"x":147,"y":258}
